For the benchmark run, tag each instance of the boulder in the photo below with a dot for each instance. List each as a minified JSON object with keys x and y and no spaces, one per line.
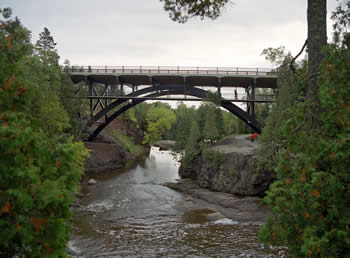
{"x":92,"y":181}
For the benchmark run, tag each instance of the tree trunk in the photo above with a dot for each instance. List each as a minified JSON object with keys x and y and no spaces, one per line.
{"x":317,"y":38}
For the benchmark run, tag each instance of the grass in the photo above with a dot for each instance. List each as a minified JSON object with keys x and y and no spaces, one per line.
{"x":127,"y":142}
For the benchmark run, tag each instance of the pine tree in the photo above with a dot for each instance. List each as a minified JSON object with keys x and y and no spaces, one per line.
{"x":195,"y":135}
{"x":45,"y":41}
{"x":192,"y":146}
{"x":210,"y":131}
{"x":45,"y":48}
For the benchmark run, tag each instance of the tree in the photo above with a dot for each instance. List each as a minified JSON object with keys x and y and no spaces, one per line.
{"x":45,"y":41}
{"x":182,"y":10}
{"x":210,"y":131}
{"x":310,"y":198}
{"x":184,"y":117}
{"x":45,"y":74}
{"x":192,"y":147}
{"x":74,"y":102}
{"x":317,"y":39}
{"x":158,"y":119}
{"x":39,"y":173}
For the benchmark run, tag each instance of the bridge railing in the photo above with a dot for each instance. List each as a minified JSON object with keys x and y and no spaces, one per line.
{"x":175,"y":70}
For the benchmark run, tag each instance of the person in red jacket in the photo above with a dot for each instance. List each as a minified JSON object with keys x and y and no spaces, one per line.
{"x":254,"y":137}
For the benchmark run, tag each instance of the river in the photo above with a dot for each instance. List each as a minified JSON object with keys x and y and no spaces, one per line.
{"x":130,"y":213}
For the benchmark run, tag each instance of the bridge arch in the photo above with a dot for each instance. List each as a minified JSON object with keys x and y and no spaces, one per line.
{"x":154,"y":91}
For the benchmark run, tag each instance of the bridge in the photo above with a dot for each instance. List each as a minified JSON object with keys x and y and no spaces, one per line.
{"x":112,"y":86}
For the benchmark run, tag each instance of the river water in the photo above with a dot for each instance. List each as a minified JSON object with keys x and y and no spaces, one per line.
{"x":129,"y":213}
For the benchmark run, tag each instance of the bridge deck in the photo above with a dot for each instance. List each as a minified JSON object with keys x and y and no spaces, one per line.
{"x":192,"y":76}
{"x":180,"y":99}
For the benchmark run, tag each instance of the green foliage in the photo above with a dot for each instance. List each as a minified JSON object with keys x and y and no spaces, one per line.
{"x":45,"y":75}
{"x":291,"y":88}
{"x":140,"y":112}
{"x":158,"y":119}
{"x":38,"y":172}
{"x":192,"y":147}
{"x":127,"y":142}
{"x":212,"y":98}
{"x":182,"y":10}
{"x":310,"y":201}
{"x":184,"y":117}
{"x":217,"y":158}
{"x":74,"y":102}
{"x":341,"y":16}
{"x":277,"y":55}
{"x":210,"y":132}
{"x":37,"y":183}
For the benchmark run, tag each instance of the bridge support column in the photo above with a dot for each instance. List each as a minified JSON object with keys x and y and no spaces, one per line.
{"x":114,"y":90}
{"x":186,"y":86}
{"x":248,"y":98}
{"x":106,"y":93}
{"x":253,"y":98}
{"x":91,"y":100}
{"x":219,"y":86}
{"x":121,"y":89}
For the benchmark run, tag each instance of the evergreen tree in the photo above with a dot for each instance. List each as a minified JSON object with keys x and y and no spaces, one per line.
{"x":45,"y":41}
{"x":45,"y":74}
{"x":219,"y":122}
{"x":183,"y":125}
{"x":192,"y":147}
{"x":310,"y":204}
{"x":211,"y":133}
{"x":38,"y":173}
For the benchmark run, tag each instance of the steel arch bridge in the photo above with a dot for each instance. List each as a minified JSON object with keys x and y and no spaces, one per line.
{"x":106,"y":92}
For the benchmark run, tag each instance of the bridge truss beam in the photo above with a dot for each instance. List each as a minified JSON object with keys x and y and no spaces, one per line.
{"x":108,"y":103}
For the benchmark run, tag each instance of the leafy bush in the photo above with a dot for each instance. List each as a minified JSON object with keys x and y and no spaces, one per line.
{"x":310,"y":201}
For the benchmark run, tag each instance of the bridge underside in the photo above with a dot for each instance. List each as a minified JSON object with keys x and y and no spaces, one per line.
{"x":154,"y":92}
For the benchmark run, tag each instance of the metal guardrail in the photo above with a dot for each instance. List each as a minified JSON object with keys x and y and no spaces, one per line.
{"x":175,"y":70}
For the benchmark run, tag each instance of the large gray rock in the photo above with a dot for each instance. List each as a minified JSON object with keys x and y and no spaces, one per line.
{"x":235,"y":172}
{"x":105,"y":156}
{"x":164,"y":144}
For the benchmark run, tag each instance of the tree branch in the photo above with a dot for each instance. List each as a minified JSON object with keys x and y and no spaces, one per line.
{"x":293,"y":60}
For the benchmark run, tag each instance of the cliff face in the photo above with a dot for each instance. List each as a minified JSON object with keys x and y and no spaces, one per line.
{"x":105,"y":156}
{"x":107,"y":153}
{"x":230,"y":166}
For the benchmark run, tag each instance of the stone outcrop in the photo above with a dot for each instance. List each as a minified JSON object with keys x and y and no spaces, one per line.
{"x":164,"y":144}
{"x":105,"y":156}
{"x":230,"y":166}
{"x":106,"y":153}
{"x":223,"y":205}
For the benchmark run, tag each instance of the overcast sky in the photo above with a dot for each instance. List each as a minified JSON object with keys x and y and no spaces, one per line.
{"x":140,"y":32}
